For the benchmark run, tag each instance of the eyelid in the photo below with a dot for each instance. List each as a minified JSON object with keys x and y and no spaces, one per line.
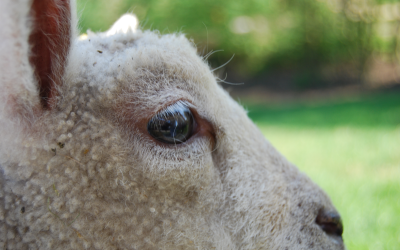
{"x":173,"y":107}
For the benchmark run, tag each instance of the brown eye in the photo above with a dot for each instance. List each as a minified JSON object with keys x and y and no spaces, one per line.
{"x":173,"y":125}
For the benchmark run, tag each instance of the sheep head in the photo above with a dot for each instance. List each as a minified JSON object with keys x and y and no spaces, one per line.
{"x":124,"y":140}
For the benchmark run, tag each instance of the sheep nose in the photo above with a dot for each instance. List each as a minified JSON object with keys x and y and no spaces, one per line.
{"x":330,"y":222}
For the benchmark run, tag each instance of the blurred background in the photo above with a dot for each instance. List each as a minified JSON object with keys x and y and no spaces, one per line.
{"x":321,"y":78}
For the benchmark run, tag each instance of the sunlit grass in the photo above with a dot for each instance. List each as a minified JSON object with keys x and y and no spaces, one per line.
{"x":356,"y":163}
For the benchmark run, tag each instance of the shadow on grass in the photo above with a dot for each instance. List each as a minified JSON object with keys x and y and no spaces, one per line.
{"x":365,"y":111}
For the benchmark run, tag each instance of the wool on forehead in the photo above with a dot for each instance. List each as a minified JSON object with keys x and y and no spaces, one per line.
{"x":100,"y":59}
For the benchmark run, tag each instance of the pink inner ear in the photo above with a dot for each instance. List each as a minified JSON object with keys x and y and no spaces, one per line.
{"x":50,"y":41}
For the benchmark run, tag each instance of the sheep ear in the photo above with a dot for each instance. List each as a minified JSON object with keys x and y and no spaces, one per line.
{"x":35,"y":38}
{"x":49,"y":41}
{"x":126,"y":23}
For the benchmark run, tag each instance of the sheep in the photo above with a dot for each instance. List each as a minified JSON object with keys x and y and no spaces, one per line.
{"x":124,"y":140}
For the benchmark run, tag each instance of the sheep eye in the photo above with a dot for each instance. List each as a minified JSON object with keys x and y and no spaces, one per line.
{"x":173,"y":125}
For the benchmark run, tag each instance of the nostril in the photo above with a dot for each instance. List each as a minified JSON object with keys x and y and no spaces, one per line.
{"x":330,"y":222}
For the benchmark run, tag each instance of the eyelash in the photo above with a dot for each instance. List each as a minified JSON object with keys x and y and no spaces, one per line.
{"x":171,"y":108}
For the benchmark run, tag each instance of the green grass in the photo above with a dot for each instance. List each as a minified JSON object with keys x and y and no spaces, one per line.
{"x":351,"y":148}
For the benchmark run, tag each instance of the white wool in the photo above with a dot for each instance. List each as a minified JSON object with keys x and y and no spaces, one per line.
{"x":87,"y":175}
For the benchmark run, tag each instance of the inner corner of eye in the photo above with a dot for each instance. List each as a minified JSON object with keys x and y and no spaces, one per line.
{"x":172,"y":125}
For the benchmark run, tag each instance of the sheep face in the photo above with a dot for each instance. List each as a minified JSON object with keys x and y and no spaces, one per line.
{"x":90,"y":172}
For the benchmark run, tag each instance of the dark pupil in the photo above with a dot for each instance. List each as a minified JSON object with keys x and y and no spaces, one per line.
{"x":173,"y":126}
